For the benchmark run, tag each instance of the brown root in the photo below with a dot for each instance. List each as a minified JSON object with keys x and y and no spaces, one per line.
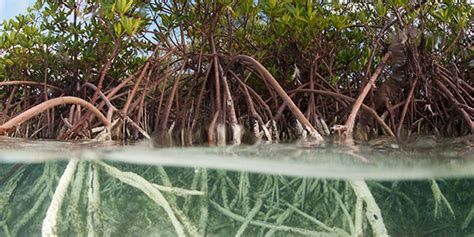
{"x":19,"y":119}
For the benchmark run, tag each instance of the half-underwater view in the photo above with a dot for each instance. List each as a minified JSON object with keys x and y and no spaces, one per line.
{"x":236,"y":118}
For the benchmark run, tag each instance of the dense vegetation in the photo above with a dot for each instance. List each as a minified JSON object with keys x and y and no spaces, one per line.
{"x":201,"y":71}
{"x":174,"y":66}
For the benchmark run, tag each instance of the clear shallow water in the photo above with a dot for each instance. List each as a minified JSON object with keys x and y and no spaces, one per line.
{"x":423,"y":187}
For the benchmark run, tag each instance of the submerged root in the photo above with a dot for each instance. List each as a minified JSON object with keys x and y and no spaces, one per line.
{"x":49,"y":222}
{"x":204,"y":208}
{"x":344,"y":209}
{"x":373,"y":213}
{"x":250,"y":216}
{"x":94,"y":220}
{"x":439,"y":198}
{"x":139,"y":182}
{"x":33,"y":211}
{"x":320,"y":224}
{"x":35,"y":195}
{"x":358,"y":231}
{"x":178,"y":191}
{"x":469,"y":218}
{"x":254,"y":204}
{"x":267,"y":225}
{"x":73,"y":211}
{"x":8,"y":188}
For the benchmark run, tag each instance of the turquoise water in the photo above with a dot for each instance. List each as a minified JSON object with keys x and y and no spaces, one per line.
{"x":421,"y":187}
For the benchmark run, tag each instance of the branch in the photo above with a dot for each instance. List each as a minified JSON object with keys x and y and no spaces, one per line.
{"x":351,"y":119}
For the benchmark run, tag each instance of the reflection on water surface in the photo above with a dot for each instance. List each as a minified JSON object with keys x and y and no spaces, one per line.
{"x":381,"y":159}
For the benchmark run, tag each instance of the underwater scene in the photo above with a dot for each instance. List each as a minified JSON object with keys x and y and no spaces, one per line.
{"x":421,"y":187}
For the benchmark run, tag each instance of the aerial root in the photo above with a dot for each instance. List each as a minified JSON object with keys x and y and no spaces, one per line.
{"x":4,"y":128}
{"x":267,"y":76}
{"x":301,"y":132}
{"x":237,"y":134}
{"x":221,"y":134}
{"x":268,"y":131}
{"x":360,"y":99}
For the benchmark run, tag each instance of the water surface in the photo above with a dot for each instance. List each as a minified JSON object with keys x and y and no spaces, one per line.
{"x":382,"y":159}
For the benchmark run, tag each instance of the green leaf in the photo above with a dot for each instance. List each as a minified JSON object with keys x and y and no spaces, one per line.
{"x":362,"y":17}
{"x":129,"y":5}
{"x":122,"y":6}
{"x":136,"y":25}
{"x":118,"y":29}
{"x":8,"y":61}
{"x":12,"y":37}
{"x":165,"y":19}
{"x":309,"y":7}
{"x":16,"y":25}
{"x":126,"y":24}
{"x":229,"y":8}
{"x":380,"y":8}
{"x":130,"y":25}
{"x":272,"y":3}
